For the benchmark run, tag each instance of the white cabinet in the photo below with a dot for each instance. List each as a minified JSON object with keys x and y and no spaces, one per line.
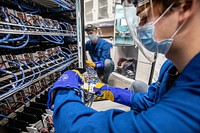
{"x":98,"y":11}
{"x":89,"y":11}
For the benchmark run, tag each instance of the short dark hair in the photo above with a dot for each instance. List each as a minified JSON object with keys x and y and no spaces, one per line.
{"x":90,"y":27}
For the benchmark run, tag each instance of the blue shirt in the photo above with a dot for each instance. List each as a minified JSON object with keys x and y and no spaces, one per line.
{"x":100,"y":51}
{"x":143,"y":100}
{"x":173,"y":110}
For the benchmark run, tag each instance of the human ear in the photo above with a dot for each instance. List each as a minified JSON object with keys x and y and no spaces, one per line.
{"x":187,"y":9}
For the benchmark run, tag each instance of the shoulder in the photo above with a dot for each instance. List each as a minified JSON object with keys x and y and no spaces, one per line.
{"x":166,"y":66}
{"x":88,"y":43}
{"x":104,"y":43}
{"x":167,"y":63}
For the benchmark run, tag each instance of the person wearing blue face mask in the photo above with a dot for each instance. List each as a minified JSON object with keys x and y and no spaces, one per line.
{"x":99,"y":51}
{"x":171,"y":104}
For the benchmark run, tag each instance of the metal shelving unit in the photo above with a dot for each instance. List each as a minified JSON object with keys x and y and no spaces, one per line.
{"x":68,"y":30}
{"x":33,"y":30}
{"x":48,"y":72}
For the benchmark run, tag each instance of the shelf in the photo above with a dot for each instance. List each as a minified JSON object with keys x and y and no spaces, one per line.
{"x":20,"y":109}
{"x":3,"y":31}
{"x":11,"y":92}
{"x":106,"y":20}
{"x":119,"y":80}
{"x":55,"y":32}
{"x":103,"y":6}
{"x":27,"y":70}
{"x":89,"y":13}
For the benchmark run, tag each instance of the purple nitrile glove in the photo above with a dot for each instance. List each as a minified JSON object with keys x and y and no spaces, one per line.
{"x":99,"y":64}
{"x":112,"y":93}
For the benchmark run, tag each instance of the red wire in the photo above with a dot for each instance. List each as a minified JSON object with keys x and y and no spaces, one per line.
{"x":30,"y":19}
{"x":16,"y":103}
{"x":36,"y":59}
{"x":2,"y":64}
{"x":9,"y":109}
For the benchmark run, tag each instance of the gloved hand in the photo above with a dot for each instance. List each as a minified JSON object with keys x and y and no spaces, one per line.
{"x":112,"y":93}
{"x":98,"y":64}
{"x":68,"y":80}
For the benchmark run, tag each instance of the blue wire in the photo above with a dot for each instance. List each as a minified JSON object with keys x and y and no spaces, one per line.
{"x":46,"y":65}
{"x":71,"y":28}
{"x":69,"y":56}
{"x":60,"y":37}
{"x":68,"y":51}
{"x":4,"y":116}
{"x":56,"y":42}
{"x":28,"y":98}
{"x":62,"y":5}
{"x":6,"y":20}
{"x":39,"y":65}
{"x":5,"y":71}
{"x":23,"y":6}
{"x":52,"y":40}
{"x":18,"y":47}
{"x":59,"y":57}
{"x":54,"y":37}
{"x":50,"y":60}
{"x":19,"y":38}
{"x":21,"y":69}
{"x":36,"y":67}
{"x":61,"y":52}
{"x":15,"y":39}
{"x":60,"y":29}
{"x":64,"y":24}
{"x":61,"y":64}
{"x":53,"y":58}
{"x":30,"y":68}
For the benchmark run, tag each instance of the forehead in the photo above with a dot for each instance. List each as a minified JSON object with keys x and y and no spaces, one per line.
{"x":91,"y":31}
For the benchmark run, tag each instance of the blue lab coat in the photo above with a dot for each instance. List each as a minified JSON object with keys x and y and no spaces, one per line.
{"x":173,"y":110}
{"x":142,"y":101}
{"x":100,"y":51}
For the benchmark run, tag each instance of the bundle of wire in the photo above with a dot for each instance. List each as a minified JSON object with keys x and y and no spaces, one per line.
{"x":8,"y":38}
{"x":66,"y":4}
{"x":53,"y":39}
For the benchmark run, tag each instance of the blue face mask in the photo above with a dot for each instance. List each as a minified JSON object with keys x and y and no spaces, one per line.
{"x":146,"y":35}
{"x":92,"y":37}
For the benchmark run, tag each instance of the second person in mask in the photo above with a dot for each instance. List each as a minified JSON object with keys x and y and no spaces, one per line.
{"x":99,"y":51}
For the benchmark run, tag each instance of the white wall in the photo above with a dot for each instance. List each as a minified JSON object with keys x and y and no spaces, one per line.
{"x":159,"y":62}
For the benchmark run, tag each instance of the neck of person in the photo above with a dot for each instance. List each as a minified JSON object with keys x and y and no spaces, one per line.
{"x":95,"y":41}
{"x":184,"y":50}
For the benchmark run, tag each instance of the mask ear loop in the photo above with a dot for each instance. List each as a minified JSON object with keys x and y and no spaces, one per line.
{"x":164,"y":13}
{"x":152,"y":11}
{"x":180,"y":27}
